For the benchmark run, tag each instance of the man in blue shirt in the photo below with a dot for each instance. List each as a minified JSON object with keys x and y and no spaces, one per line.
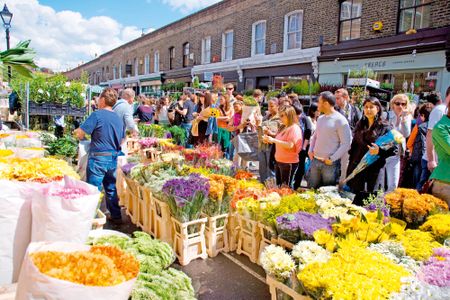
{"x":107,"y":132}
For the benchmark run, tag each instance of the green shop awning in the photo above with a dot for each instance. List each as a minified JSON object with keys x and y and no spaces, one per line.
{"x":150,"y":79}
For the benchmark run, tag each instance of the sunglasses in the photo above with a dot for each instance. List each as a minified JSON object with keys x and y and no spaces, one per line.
{"x":230,"y":89}
{"x":401,"y":104}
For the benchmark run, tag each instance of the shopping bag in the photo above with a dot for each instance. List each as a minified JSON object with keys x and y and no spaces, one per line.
{"x":83,"y":154}
{"x":35,"y":285}
{"x":58,"y":219}
{"x":15,"y":227}
{"x":246,"y":145}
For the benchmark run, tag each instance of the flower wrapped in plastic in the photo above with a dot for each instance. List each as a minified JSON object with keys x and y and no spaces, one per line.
{"x":385,"y":142}
{"x":277,"y":263}
{"x":306,"y":252}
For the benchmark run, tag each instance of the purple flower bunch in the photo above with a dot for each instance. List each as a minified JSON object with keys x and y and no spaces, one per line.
{"x":126,"y":169}
{"x":185,"y":189}
{"x":436,"y":271}
{"x":148,"y":142}
{"x":303,"y":222}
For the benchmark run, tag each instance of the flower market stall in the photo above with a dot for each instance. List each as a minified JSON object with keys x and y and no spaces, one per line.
{"x":312,"y":244}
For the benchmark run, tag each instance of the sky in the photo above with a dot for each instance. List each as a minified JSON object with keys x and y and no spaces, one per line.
{"x":65,"y":33}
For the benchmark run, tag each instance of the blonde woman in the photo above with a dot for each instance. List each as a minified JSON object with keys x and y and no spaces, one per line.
{"x":400,"y":119}
{"x":288,"y":143}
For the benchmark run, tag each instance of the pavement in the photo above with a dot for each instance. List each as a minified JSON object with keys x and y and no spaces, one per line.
{"x":227,"y":276}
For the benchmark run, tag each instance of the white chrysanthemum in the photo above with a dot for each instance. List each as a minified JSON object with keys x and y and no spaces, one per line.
{"x":415,"y":289}
{"x":277,"y":263}
{"x":306,"y":252}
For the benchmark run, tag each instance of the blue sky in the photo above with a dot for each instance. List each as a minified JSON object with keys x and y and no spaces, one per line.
{"x":70,"y":32}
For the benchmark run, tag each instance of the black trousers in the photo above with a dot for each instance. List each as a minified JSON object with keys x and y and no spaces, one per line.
{"x":285,"y":173}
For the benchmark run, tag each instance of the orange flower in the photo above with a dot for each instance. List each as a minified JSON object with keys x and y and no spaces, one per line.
{"x":101,"y":266}
{"x":241,"y":174}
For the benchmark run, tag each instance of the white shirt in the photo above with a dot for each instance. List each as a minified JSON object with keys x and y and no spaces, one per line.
{"x":436,"y":115}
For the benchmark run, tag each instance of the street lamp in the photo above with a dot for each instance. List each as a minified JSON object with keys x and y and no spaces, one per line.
{"x":6,"y":18}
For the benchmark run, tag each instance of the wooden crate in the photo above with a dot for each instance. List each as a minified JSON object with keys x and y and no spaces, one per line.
{"x":162,"y":223}
{"x":276,"y":288}
{"x":189,"y":246}
{"x":215,"y":235}
{"x":132,"y":194}
{"x":285,"y":244}
{"x":268,"y":237}
{"x":150,"y":155}
{"x":99,"y":220}
{"x":233,"y":231}
{"x":249,"y":238}
{"x":133,"y":146}
{"x":121,"y":187}
{"x":148,"y":211}
{"x":144,"y":205}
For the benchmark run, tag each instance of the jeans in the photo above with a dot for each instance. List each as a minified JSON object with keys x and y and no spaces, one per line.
{"x":392,"y":172}
{"x":101,"y":171}
{"x":285,"y":173}
{"x":187,"y":128}
{"x":321,"y":174}
{"x":264,"y":165}
{"x":421,"y":174}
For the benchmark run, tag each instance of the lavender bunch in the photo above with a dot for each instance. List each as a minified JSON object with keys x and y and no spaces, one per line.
{"x":186,"y":196}
{"x":126,"y":169}
{"x":377,"y":203}
{"x":301,"y":226}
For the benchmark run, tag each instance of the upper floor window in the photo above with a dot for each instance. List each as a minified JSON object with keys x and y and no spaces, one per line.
{"x":120,"y":70}
{"x":186,"y":54}
{"x":227,"y":45}
{"x":114,"y":72}
{"x":414,"y":14}
{"x":350,"y":20}
{"x":206,"y":50}
{"x":147,"y":64}
{"x":156,"y":62}
{"x":293,"y":23}
{"x":171,"y":57}
{"x":259,"y":38}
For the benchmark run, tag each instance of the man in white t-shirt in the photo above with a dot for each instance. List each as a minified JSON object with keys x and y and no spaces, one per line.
{"x":435,"y":116}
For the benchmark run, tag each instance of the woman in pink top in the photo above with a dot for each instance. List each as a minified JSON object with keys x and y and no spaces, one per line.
{"x":288,"y":144}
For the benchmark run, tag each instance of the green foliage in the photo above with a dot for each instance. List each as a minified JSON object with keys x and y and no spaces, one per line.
{"x":315,"y":89}
{"x":363,"y":73}
{"x":387,"y":86}
{"x":272,"y":94}
{"x":65,"y":147}
{"x":301,"y":88}
{"x":196,"y":82}
{"x":19,"y":58}
{"x":178,"y":134}
{"x":248,"y":92}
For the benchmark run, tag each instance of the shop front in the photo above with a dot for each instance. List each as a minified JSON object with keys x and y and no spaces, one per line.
{"x":177,"y":76}
{"x":150,"y":85}
{"x":414,"y":73}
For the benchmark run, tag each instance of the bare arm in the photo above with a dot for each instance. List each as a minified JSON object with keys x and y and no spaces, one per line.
{"x":79,"y":133}
{"x":431,"y":155}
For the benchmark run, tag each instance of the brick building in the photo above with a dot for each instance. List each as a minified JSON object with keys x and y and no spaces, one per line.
{"x":264,"y":43}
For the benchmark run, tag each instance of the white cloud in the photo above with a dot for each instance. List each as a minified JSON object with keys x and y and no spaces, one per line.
{"x":187,"y":6}
{"x":64,"y":39}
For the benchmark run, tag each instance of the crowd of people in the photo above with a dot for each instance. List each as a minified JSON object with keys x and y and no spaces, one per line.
{"x":319,"y":146}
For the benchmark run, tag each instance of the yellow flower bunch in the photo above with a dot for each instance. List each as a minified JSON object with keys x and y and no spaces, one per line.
{"x":438,"y":225}
{"x":200,"y":170}
{"x":357,"y":230}
{"x":19,"y":137}
{"x":101,"y":266}
{"x":5,"y":153}
{"x":4,"y":135}
{"x":353,"y":273}
{"x":418,"y":244}
{"x":214,"y":113}
{"x":216,"y":190}
{"x":35,"y":169}
{"x":250,"y":184}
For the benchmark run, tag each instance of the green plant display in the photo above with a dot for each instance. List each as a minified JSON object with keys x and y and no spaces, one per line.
{"x":65,"y":147}
{"x":362,"y":73}
{"x":272,"y":94}
{"x":301,"y":88}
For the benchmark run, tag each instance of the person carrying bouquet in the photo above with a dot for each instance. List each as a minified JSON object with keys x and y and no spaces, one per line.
{"x":366,"y":132}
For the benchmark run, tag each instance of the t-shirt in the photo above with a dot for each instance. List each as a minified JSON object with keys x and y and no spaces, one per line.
{"x":190,"y":106}
{"x":441,"y":142}
{"x":145,"y":113}
{"x":291,"y":134}
{"x":107,"y":131}
{"x":436,"y":115}
{"x":224,"y":123}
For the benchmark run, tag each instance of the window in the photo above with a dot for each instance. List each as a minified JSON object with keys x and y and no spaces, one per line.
{"x":136,"y":67}
{"x":147,"y":64}
{"x":206,"y":50}
{"x":350,"y":20}
{"x":171,"y":57}
{"x":186,"y":54}
{"x":414,"y":14}
{"x":156,"y":62}
{"x":259,"y":38}
{"x":227,"y":45}
{"x":293,"y":23}
{"x":120,"y":70}
{"x":114,"y":72}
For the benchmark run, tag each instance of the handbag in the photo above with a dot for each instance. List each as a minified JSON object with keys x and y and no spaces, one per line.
{"x":246,"y":145}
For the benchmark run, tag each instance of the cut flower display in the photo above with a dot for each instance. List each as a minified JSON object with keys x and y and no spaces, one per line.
{"x":277,"y":263}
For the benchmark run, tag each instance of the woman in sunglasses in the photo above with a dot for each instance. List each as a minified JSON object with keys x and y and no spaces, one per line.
{"x":400,"y":119}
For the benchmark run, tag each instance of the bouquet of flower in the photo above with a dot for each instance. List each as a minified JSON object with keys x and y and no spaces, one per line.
{"x":334,"y":206}
{"x":413,"y":288}
{"x":306,"y":252}
{"x":242,"y":193}
{"x":385,"y":142}
{"x":249,"y":109}
{"x":221,"y":166}
{"x":242,"y":174}
{"x":436,"y":269}
{"x":301,"y":226}
{"x":438,"y":225}
{"x":221,"y":192}
{"x":409,"y":205}
{"x":186,"y":196}
{"x":277,"y":263}
{"x":418,"y":244}
{"x":396,"y":252}
{"x":148,"y":142}
{"x":353,"y":273}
